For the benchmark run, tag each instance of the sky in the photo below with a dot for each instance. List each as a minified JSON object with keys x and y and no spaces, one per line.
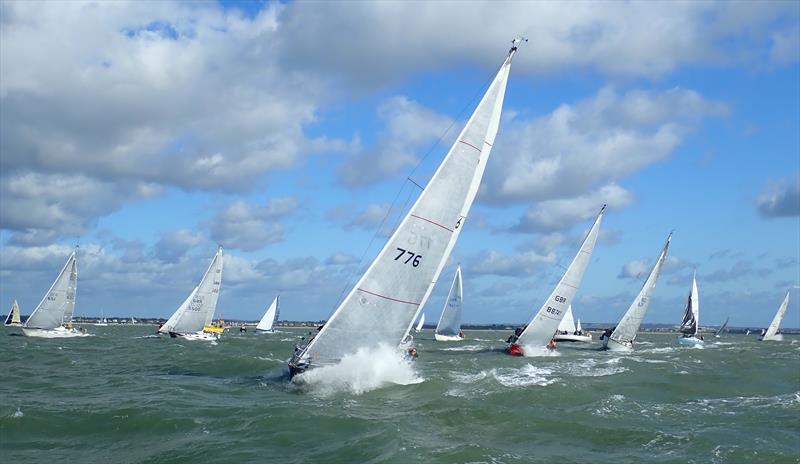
{"x":148,"y":133}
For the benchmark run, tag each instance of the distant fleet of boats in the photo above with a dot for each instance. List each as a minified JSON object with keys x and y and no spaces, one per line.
{"x":383,"y":305}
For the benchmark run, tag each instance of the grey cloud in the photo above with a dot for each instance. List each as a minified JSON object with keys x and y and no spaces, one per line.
{"x":780,"y":198}
{"x":250,"y":227}
{"x":174,"y":244}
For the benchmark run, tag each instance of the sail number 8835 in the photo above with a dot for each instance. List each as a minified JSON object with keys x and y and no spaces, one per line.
{"x":413,"y":258}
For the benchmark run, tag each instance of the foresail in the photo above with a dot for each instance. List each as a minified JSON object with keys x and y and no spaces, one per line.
{"x":691,"y":314}
{"x":421,"y":323}
{"x":544,"y":324}
{"x":450,"y":320}
{"x":58,"y":303}
{"x":382,"y":306}
{"x":198,"y":309}
{"x":629,"y":324}
{"x":268,"y":320}
{"x":776,"y":321}
{"x":568,"y":323}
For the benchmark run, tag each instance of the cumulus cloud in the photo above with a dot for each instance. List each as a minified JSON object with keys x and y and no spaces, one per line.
{"x":251,"y":227}
{"x":634,"y":269}
{"x":519,"y":264}
{"x":174,"y":244}
{"x":408,"y":127}
{"x":780,"y":198}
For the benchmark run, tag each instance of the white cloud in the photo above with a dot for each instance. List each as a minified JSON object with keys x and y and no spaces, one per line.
{"x":780,"y":198}
{"x":174,"y":244}
{"x":251,"y":227}
{"x":634,"y":269}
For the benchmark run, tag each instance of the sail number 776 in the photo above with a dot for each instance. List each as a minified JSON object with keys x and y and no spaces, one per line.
{"x":412,"y":257}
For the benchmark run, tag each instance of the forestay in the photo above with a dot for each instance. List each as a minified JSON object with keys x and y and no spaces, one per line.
{"x":450,"y":320}
{"x":382,"y":306}
{"x":691,"y":314}
{"x":544,"y":324}
{"x":628,"y":326}
{"x":267,"y":322}
{"x":58,"y":303}
{"x":568,"y":323}
{"x":776,"y":321}
{"x":198,"y":308}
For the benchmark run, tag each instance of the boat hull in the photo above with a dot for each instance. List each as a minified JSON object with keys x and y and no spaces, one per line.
{"x":59,"y":332}
{"x":573,"y":338}
{"x":690,"y":341}
{"x":447,"y":338}
{"x":514,"y":350}
{"x":200,"y":336}
{"x":774,"y":338}
{"x":610,"y":344}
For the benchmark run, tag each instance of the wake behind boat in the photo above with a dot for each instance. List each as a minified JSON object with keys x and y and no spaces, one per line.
{"x":267,"y":322}
{"x":52,"y":318}
{"x":568,"y":331}
{"x":690,"y":325}
{"x":449,"y":327}
{"x":622,"y":337}
{"x":382,"y":306}
{"x":539,"y":333}
{"x":772,"y":331}
{"x":193,"y":317}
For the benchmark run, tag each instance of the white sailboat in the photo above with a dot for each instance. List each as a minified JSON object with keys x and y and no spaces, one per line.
{"x":719,"y":332}
{"x":267,"y":322}
{"x":690,"y":325}
{"x":568,"y":331}
{"x":13,"y":316}
{"x":623,"y":336}
{"x":420,"y":324}
{"x":382,"y":306}
{"x":192,"y":317}
{"x":772,"y":335}
{"x":102,"y":322}
{"x":539,"y":333}
{"x":52,"y":318}
{"x":133,"y":321}
{"x":449,"y":327}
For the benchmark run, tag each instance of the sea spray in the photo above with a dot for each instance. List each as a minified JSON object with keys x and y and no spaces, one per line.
{"x":365,"y":370}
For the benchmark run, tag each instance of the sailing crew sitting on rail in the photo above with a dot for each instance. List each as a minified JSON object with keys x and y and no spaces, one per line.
{"x":606,"y":333}
{"x":460,"y":334}
{"x":298,"y":347}
{"x":513,"y":338}
{"x":552,"y":344}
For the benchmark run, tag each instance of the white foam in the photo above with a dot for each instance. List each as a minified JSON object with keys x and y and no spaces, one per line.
{"x":464,"y":348}
{"x":366,"y":370}
{"x":525,"y":376}
{"x":17,"y":414}
{"x":539,"y":352}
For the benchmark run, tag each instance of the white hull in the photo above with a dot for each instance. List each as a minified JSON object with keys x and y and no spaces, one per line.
{"x":690,"y":341}
{"x":201,"y":336}
{"x":265,"y":331}
{"x":447,"y":338}
{"x":573,"y":338}
{"x":613,"y":345}
{"x":59,"y":332}
{"x":774,"y":338}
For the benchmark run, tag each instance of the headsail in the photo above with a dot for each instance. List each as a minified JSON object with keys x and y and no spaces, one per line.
{"x":578,"y":325}
{"x":450,"y":320}
{"x":420,"y":324}
{"x":629,"y":324}
{"x":776,"y":321}
{"x":691,"y":314}
{"x":382,"y":306}
{"x":58,"y":303}
{"x":544,"y":324}
{"x":198,"y":308}
{"x":568,"y":323}
{"x":723,"y":327}
{"x":13,"y":315}
{"x":267,"y":323}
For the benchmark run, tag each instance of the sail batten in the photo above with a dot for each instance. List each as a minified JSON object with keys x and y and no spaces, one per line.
{"x":382,"y":306}
{"x":58,"y":303}
{"x":197,"y":310}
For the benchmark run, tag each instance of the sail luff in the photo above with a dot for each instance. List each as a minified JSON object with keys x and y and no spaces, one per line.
{"x":50,"y":316}
{"x":450,"y":320}
{"x":628,"y":326}
{"x":543,"y":325}
{"x":776,"y":321}
{"x":382,"y":306}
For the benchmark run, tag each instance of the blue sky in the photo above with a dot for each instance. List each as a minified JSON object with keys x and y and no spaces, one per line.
{"x":150,"y":133}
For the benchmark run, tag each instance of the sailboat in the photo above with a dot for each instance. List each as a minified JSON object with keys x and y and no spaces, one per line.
{"x":267,"y":323}
{"x":772,"y":335}
{"x":102,"y":322}
{"x":622,"y":337}
{"x":381,"y":308}
{"x":449,"y":327}
{"x":52,"y":318}
{"x":568,"y":331}
{"x":133,"y":321}
{"x":539,"y":332}
{"x":420,"y":324}
{"x":690,"y":325}
{"x":194,"y":315}
{"x":719,"y":332}
{"x":13,"y":315}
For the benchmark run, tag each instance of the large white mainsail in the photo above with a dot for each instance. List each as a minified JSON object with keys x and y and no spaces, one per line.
{"x":198,"y":308}
{"x":55,"y":309}
{"x":267,"y":323}
{"x":625,"y":333}
{"x":382,"y":306}
{"x":542,"y":327}
{"x":772,"y":331}
{"x":449,"y":326}
{"x":13,"y":315}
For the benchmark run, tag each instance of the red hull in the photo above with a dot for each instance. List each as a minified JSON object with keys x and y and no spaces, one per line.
{"x":514,"y":350}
